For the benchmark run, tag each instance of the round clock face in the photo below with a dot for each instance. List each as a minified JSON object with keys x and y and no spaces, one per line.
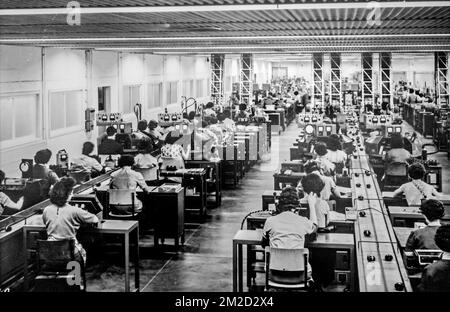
{"x":309,"y":129}
{"x":24,"y":167}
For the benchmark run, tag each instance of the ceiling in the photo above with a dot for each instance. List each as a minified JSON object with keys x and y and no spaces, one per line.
{"x":231,"y":26}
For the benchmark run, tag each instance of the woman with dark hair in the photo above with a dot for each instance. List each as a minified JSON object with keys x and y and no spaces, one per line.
{"x":209,"y":110}
{"x":320,"y":148}
{"x":335,"y":153}
{"x":62,"y":220}
{"x":41,"y":169}
{"x":5,"y":201}
{"x":145,"y":162}
{"x":416,"y":190}
{"x":312,"y":186}
{"x":436,"y":276}
{"x":396,"y":155}
{"x":86,"y":160}
{"x":287,"y":229}
{"x":127,"y":178}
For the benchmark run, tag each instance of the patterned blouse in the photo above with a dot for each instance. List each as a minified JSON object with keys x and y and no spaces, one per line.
{"x":172,"y":151}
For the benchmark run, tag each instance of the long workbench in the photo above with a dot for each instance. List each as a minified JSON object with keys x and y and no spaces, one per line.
{"x":379,"y":261}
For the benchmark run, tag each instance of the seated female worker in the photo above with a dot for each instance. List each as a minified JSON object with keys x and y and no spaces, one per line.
{"x":173,"y":154}
{"x":312,"y":186}
{"x":433,"y":211}
{"x":127,"y":178}
{"x":5,"y":201}
{"x":87,"y":161}
{"x":436,"y":276}
{"x":62,"y":220}
{"x":416,"y":189}
{"x":145,"y":163}
{"x":397,"y":154}
{"x":287,"y":229}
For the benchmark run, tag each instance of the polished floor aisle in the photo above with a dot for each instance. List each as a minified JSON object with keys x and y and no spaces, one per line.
{"x":205,"y":262}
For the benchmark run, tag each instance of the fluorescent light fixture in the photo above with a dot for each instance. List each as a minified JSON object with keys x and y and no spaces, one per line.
{"x":222,"y":8}
{"x":237,"y":38}
{"x":270,"y":47}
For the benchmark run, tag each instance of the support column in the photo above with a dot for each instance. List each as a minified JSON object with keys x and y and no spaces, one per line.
{"x":246,"y":85}
{"x":441,"y":79}
{"x":217,"y":76}
{"x":385,"y":78}
{"x":335,"y":79}
{"x":318,"y":97}
{"x":368,"y":95}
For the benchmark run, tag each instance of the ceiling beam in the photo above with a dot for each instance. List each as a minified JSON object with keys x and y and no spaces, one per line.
{"x":237,"y":38}
{"x":215,"y":8}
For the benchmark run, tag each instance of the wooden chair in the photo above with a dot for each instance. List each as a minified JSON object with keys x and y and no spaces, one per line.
{"x":121,"y":204}
{"x":53,"y":271}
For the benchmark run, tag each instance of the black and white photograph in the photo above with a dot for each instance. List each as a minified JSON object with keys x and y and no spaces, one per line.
{"x":223,"y":153}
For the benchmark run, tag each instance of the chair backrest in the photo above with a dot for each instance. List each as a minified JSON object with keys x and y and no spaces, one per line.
{"x":121,"y":197}
{"x":174,"y":162}
{"x":53,"y":256}
{"x":427,"y":256}
{"x":290,"y":260}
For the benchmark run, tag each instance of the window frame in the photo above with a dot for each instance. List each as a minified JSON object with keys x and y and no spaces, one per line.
{"x":150,"y":94}
{"x":71,"y":129}
{"x":37,"y":137}
{"x":130,"y":95}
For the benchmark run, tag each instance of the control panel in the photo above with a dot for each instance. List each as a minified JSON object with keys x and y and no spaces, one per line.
{"x":310,"y":118}
{"x":169,"y":119}
{"x":106,"y":119}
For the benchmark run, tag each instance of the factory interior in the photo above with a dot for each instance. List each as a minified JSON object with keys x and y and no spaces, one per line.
{"x":241,"y":146}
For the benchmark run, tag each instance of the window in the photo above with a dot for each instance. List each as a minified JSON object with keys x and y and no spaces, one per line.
{"x":66,"y":108}
{"x":154,"y":95}
{"x":19,"y":116}
{"x":200,"y":88}
{"x":171,"y":92}
{"x":188,"y":88}
{"x":131,"y":96}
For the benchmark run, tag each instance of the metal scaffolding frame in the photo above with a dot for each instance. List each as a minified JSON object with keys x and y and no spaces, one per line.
{"x":386,"y":78}
{"x":246,"y":85}
{"x":336,"y":79}
{"x":368,"y":94}
{"x":318,"y":96}
{"x":441,"y":79}
{"x":216,"y":81}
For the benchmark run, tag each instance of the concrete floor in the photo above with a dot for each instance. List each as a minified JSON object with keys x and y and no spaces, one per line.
{"x":205,"y":261}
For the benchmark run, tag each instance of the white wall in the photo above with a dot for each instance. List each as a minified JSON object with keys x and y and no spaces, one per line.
{"x":40,"y":71}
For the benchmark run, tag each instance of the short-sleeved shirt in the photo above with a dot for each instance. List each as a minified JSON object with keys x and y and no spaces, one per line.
{"x":336,"y":156}
{"x":322,"y":210}
{"x":63,"y":222}
{"x":422,"y":239}
{"x":288,"y":230}
{"x":148,"y":161}
{"x":87,"y":162}
{"x":5,"y":201}
{"x":417,"y":190}
{"x":126,"y":178}
{"x":326,"y":165}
